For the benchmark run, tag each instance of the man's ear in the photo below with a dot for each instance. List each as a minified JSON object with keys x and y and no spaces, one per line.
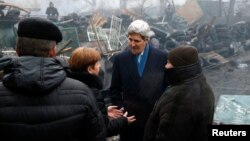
{"x":52,"y":52}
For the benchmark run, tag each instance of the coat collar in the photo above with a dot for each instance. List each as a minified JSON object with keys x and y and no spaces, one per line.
{"x":181,"y":74}
{"x":92,"y":81}
{"x":131,"y":65}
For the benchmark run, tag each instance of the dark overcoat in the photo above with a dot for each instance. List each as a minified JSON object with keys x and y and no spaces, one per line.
{"x":185,"y":110}
{"x":114,"y":126}
{"x":138,"y":94}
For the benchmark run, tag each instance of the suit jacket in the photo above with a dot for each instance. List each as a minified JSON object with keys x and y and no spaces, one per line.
{"x":138,"y":94}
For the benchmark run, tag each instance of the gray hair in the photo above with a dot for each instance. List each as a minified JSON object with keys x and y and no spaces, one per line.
{"x":34,"y":47}
{"x":140,"y":27}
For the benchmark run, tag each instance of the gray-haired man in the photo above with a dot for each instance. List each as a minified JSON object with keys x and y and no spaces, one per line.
{"x":138,"y":78}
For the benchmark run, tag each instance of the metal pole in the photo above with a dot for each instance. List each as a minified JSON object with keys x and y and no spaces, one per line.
{"x":230,"y":11}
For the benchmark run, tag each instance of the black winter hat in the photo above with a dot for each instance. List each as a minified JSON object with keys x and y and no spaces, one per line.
{"x":183,"y":56}
{"x":39,"y":28}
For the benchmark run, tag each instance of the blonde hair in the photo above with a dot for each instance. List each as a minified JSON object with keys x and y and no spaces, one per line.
{"x":83,"y":57}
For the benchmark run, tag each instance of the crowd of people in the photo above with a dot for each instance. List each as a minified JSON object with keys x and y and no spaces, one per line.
{"x":155,"y":95}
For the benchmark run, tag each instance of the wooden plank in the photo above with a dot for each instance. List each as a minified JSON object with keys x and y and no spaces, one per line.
{"x":15,"y":6}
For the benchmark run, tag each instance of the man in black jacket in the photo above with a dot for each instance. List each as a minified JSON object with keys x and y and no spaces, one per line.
{"x":52,"y":12}
{"x":37,"y":100}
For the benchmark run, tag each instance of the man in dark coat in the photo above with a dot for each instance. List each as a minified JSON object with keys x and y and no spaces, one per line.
{"x":186,"y":108}
{"x":38,"y":102}
{"x":138,"y":79}
{"x":52,"y":12}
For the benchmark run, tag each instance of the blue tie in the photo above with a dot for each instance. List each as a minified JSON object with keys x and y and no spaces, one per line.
{"x":139,"y":64}
{"x":139,"y":59}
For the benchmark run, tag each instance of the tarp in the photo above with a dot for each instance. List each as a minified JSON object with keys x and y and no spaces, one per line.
{"x":190,"y":11}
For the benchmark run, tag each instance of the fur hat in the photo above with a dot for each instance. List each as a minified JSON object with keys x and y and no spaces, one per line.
{"x":183,"y":56}
{"x":39,"y":28}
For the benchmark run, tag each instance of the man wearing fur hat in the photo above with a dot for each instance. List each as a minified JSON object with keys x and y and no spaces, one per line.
{"x":38,"y":102}
{"x":138,"y":78}
{"x":186,"y":108}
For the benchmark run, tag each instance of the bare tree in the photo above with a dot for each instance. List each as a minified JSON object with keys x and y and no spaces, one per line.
{"x":142,"y":5}
{"x":123,"y":4}
{"x":162,"y":5}
{"x":91,"y":2}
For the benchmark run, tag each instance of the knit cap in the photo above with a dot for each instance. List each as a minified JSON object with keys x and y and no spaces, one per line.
{"x":183,"y":56}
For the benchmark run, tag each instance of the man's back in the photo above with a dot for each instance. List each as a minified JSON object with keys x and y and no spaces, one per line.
{"x":38,"y":102}
{"x":52,"y":11}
